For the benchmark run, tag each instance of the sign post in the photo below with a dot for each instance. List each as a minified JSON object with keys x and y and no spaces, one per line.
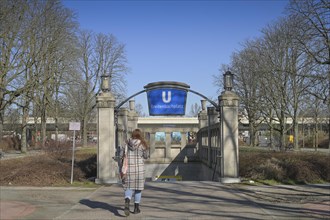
{"x":73,"y":126}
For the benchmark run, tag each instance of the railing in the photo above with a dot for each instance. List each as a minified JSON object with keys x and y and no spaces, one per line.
{"x":208,"y":141}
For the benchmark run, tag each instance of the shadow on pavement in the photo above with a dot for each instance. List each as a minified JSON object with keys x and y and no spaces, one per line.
{"x":101,"y":205}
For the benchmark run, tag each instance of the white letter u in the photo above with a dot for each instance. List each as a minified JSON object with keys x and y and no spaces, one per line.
{"x":168,"y":100}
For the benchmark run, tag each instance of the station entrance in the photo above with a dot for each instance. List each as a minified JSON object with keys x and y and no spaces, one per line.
{"x":213,"y":154}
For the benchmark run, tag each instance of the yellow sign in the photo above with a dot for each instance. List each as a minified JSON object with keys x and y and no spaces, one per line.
{"x":291,"y":138}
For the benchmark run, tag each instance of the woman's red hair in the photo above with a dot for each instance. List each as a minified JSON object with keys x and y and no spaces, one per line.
{"x":137,"y":134}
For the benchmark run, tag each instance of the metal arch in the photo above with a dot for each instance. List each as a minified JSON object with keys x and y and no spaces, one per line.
{"x":189,"y":90}
{"x":117,"y":154}
{"x":203,"y":96}
{"x":123,"y":102}
{"x":145,"y":90}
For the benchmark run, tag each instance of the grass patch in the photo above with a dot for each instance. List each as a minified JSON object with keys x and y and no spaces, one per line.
{"x":85,"y":184}
{"x":87,"y":150}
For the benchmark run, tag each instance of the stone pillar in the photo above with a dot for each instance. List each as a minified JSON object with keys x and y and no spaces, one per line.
{"x":183,"y":139}
{"x":209,"y":123}
{"x":213,"y":115}
{"x":202,"y":115}
{"x":168,"y":146}
{"x":132,"y":116}
{"x":106,"y":165}
{"x":122,"y":126}
{"x":152,"y":145}
{"x":183,"y":147}
{"x":228,"y":102}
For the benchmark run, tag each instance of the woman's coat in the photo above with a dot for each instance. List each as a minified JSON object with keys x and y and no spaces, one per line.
{"x":136,"y":153}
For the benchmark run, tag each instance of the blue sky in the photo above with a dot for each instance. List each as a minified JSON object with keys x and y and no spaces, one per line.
{"x":183,"y":41}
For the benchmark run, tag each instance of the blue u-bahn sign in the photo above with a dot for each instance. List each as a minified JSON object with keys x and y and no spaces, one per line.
{"x":167,"y":98}
{"x":167,"y":101}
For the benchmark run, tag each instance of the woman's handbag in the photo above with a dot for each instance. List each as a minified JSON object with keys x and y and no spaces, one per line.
{"x":124,"y":167}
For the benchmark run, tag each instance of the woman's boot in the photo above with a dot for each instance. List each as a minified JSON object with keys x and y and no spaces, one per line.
{"x":136,"y":208}
{"x":126,"y":209}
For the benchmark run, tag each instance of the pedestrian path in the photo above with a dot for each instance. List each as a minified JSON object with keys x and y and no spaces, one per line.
{"x":170,"y":200}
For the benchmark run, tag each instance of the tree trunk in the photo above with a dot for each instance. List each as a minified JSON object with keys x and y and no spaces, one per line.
{"x":283,"y":140}
{"x":36,"y":132}
{"x":56,"y":132}
{"x":252,"y":135}
{"x":43,"y":128}
{"x":328,"y":135}
{"x":85,"y":132}
{"x":1,"y":125}
{"x":316,"y":136}
{"x":303,"y":133}
{"x":282,"y":130}
{"x":296,"y":135}
{"x":271,"y":136}
{"x":24,"y":124}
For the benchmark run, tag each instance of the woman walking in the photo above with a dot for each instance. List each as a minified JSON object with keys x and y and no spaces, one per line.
{"x":133,"y":182}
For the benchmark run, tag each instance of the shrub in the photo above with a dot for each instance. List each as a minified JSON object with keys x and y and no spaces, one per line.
{"x":10,"y":143}
{"x":285,"y":167}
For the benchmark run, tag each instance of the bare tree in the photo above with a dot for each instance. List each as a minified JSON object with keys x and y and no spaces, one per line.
{"x":99,"y":55}
{"x":35,"y":46}
{"x":139,"y":110}
{"x":55,"y":29}
{"x":246,"y":67}
{"x":41,"y":71}
{"x":314,"y":37}
{"x":313,"y":16}
{"x":12,"y":27}
{"x":271,"y":79}
{"x":285,"y":80}
{"x":218,"y":79}
{"x":194,"y":110}
{"x":277,"y":72}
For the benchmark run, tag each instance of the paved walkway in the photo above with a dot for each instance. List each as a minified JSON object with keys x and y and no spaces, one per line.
{"x":168,"y":200}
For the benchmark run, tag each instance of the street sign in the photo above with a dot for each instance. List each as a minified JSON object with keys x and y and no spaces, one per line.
{"x":74,"y":126}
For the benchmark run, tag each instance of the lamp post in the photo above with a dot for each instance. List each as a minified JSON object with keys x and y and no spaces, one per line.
{"x":228,"y":79}
{"x":105,"y":83}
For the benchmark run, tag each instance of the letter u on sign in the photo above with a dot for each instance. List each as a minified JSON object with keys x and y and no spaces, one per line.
{"x":168,"y":99}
